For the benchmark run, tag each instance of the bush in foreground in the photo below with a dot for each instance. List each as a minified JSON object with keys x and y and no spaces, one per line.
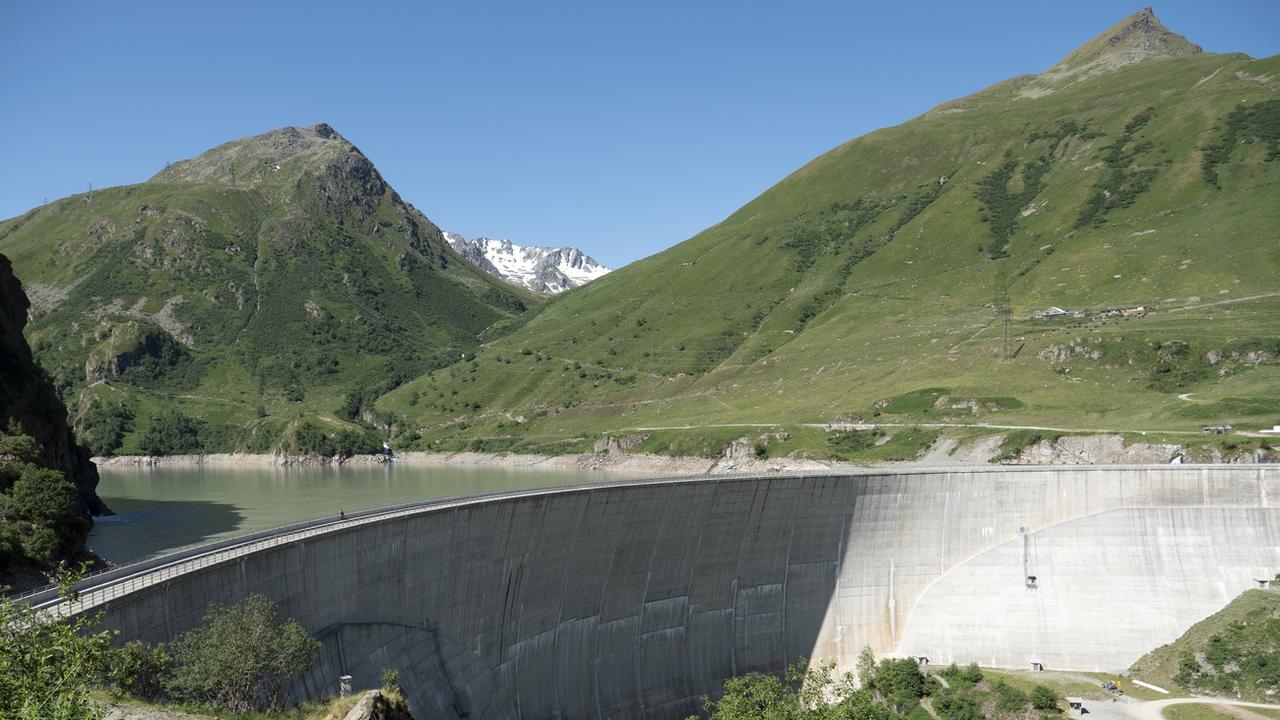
{"x":803,"y":694}
{"x":242,"y":659}
{"x":48,"y":663}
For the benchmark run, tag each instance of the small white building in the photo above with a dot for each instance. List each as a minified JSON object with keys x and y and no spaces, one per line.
{"x":1053,"y":312}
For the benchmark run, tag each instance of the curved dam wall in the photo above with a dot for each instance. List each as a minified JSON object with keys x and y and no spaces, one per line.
{"x":636,"y":599}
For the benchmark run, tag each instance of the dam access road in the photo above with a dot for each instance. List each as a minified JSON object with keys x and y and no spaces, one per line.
{"x":635,"y":599}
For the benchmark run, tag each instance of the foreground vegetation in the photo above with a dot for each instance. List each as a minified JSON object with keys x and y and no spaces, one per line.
{"x":239,"y":662}
{"x":890,"y":689}
{"x":39,"y":520}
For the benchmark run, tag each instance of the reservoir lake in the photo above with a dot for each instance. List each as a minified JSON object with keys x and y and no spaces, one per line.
{"x":168,"y":508}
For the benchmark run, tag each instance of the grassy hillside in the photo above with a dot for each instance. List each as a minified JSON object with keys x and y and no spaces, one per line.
{"x":270,"y":280}
{"x":876,"y":281}
{"x":1234,"y":652}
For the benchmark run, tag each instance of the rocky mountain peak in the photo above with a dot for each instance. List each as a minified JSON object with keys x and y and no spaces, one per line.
{"x":279,"y":155}
{"x":544,"y":270}
{"x":1137,"y":38}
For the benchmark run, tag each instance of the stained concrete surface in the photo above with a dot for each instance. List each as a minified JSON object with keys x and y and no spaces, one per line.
{"x":635,"y":600}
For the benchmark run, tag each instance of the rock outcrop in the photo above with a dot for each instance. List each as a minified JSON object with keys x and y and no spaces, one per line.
{"x":379,"y":705}
{"x":1137,"y":38}
{"x":30,"y":404}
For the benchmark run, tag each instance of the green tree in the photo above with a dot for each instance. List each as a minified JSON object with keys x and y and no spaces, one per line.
{"x":751,"y":697}
{"x":171,"y":432}
{"x":242,"y":659}
{"x":804,"y":693}
{"x":899,"y":683}
{"x":103,"y":427}
{"x":861,"y":705}
{"x":39,"y":522}
{"x":46,"y":501}
{"x":48,"y":662}
{"x":866,"y":666}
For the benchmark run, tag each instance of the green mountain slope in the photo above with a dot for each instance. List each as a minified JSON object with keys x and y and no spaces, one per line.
{"x":273,"y":278}
{"x":873,"y":281}
{"x":1234,"y":653}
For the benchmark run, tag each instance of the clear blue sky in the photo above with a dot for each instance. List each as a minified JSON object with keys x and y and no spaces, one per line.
{"x":620,"y":128}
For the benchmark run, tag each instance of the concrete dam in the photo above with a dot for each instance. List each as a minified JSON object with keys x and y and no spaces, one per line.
{"x":635,"y":599}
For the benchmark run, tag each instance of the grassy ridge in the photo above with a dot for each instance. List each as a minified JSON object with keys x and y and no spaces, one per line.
{"x":882,"y":268}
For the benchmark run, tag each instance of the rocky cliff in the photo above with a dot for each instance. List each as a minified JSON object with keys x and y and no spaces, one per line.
{"x":30,"y":405}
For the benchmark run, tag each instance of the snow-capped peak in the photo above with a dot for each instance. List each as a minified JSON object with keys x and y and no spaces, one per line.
{"x":545,"y":270}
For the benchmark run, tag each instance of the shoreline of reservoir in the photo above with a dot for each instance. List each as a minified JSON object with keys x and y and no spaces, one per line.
{"x":623,"y":463}
{"x":1100,"y":449}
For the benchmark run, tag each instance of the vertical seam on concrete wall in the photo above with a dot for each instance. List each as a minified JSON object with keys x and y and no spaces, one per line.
{"x":692,"y":565}
{"x":786,"y":573}
{"x":564,"y":578}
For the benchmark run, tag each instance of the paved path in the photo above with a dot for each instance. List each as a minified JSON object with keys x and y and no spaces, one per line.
{"x":1222,"y":302}
{"x":1154,"y":709}
{"x":867,"y":426}
{"x":1126,"y":708}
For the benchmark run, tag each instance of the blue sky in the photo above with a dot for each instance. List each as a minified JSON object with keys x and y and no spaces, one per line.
{"x":620,"y":128}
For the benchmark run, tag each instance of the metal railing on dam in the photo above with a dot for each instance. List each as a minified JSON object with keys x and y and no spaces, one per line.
{"x":636,"y":598}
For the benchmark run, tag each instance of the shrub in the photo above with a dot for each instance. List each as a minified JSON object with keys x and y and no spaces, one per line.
{"x":48,"y":662}
{"x":103,"y":427}
{"x":1009,"y":699}
{"x":1045,"y":699}
{"x":242,"y":659}
{"x":314,"y":440}
{"x":899,"y":682}
{"x":962,"y":678}
{"x":171,"y":432}
{"x":139,"y":670}
{"x":844,"y":443}
{"x":955,"y":704}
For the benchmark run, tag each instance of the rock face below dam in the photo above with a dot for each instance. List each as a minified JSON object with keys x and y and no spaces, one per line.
{"x":636,"y":599}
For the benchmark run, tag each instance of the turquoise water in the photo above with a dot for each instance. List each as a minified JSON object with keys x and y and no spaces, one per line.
{"x":169,"y":508}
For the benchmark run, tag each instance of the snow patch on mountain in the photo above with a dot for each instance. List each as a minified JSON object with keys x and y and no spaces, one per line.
{"x":545,"y":270}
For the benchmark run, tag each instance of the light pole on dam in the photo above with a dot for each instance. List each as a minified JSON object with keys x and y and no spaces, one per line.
{"x":635,"y":599}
